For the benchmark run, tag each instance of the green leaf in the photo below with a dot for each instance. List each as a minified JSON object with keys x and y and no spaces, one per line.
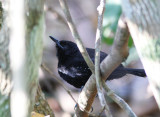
{"x":111,"y":16}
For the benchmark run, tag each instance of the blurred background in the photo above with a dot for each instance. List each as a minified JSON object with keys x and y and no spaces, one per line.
{"x":135,"y":90}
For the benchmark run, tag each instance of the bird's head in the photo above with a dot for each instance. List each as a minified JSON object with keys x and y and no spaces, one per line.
{"x":64,"y":47}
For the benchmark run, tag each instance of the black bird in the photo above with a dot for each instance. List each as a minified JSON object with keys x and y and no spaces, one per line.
{"x":73,"y":68}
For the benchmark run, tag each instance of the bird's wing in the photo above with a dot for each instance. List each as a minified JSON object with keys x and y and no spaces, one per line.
{"x":91,"y":53}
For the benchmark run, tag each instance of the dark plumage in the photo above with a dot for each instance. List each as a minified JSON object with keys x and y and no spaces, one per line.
{"x":73,"y":69}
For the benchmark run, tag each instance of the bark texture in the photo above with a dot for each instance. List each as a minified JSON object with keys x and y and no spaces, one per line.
{"x":143,"y":20}
{"x":5,"y":79}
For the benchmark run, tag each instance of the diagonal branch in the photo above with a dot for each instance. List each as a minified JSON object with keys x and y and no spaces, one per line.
{"x":75,"y":34}
{"x":118,"y":54}
{"x":119,"y":50}
{"x":119,"y":101}
{"x":100,"y":10}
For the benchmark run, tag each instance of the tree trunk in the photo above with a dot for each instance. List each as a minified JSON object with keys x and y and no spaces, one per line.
{"x":143,"y":20}
{"x":24,"y":52}
{"x":5,"y":79}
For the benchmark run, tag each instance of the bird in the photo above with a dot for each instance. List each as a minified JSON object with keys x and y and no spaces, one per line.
{"x":74,"y":70}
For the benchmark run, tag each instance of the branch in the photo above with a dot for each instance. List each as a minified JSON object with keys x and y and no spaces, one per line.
{"x":119,"y":101}
{"x":100,"y":9}
{"x":118,"y":53}
{"x":119,"y":50}
{"x":75,"y":35}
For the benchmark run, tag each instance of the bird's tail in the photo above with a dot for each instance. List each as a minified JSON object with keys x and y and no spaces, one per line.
{"x":137,"y":72}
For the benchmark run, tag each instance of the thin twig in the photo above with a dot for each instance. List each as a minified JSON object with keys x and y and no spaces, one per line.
{"x":75,"y":35}
{"x":43,"y":66}
{"x":119,"y":101}
{"x":100,"y":9}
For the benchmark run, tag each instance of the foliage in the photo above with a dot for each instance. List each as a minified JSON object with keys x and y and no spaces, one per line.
{"x":112,"y":13}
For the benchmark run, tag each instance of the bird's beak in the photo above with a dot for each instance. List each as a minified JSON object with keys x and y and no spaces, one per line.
{"x":57,"y":42}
